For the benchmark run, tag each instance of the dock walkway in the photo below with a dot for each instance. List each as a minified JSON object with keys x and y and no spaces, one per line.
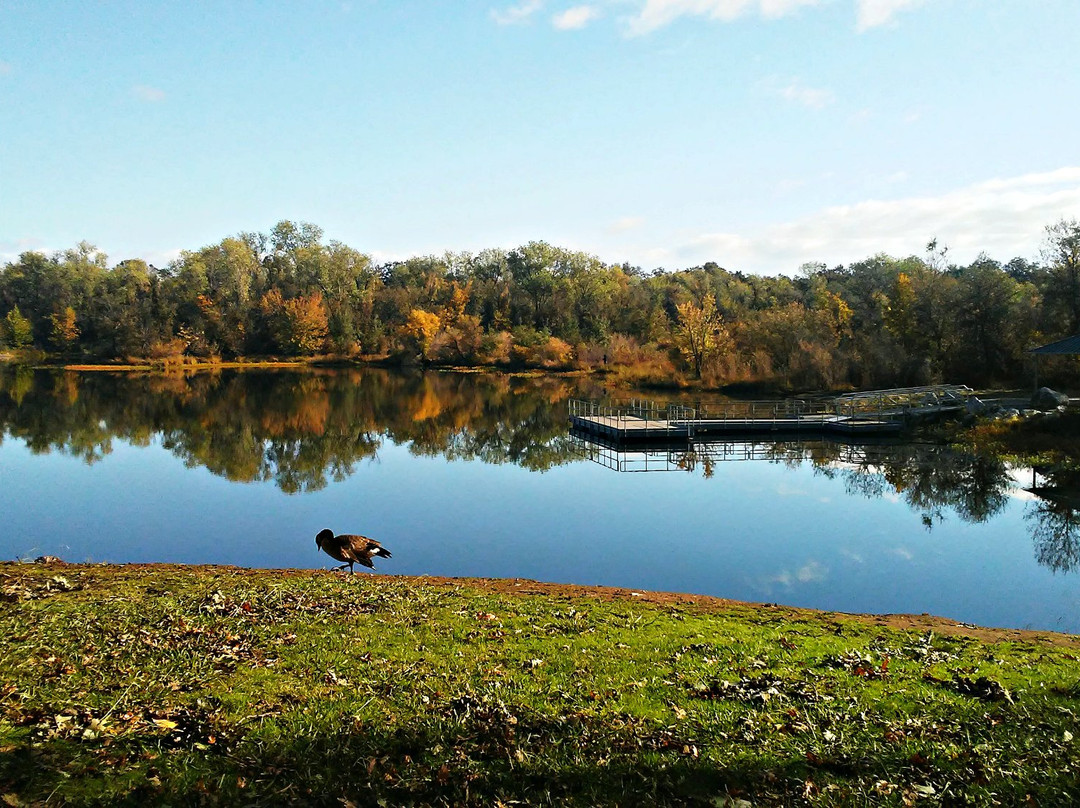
{"x":873,"y":413}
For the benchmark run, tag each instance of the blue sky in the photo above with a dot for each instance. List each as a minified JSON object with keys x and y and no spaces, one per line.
{"x":759,"y":134}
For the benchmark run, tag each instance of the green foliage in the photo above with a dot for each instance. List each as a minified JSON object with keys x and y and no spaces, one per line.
{"x":878,"y":322}
{"x":18,"y":331}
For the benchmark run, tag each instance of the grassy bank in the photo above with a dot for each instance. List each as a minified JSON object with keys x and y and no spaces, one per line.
{"x":135,"y":685}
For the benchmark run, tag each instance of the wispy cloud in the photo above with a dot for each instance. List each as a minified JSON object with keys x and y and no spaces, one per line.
{"x":811,"y":572}
{"x":574,"y":18}
{"x":872,"y":13}
{"x":149,"y":94}
{"x":655,"y":14}
{"x":160,"y":258}
{"x":1005,"y":217}
{"x":11,"y":250}
{"x":517,"y":14}
{"x":626,"y":223}
{"x":5,"y":67}
{"x":810,"y":97}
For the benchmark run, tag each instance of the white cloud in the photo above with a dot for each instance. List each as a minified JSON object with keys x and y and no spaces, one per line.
{"x":517,"y":14}
{"x":872,"y":13}
{"x":626,"y":223}
{"x":574,"y":18}
{"x":160,"y":258}
{"x":5,"y":68}
{"x":655,"y":14}
{"x":783,"y":578}
{"x":11,"y":250}
{"x":810,"y":97}
{"x":150,"y":94}
{"x":811,"y":572}
{"x":903,"y":552}
{"x":1004,"y":217}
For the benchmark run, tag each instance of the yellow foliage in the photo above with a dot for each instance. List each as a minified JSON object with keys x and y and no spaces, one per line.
{"x":423,"y":326}
{"x":65,"y":333}
{"x":429,"y":406}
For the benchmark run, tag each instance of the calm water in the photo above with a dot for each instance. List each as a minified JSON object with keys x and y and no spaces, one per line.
{"x":476,"y":475}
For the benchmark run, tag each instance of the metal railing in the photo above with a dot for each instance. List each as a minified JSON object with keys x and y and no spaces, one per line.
{"x":851,"y":411}
{"x":622,"y":459}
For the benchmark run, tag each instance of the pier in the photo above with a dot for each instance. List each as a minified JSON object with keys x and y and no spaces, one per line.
{"x":855,"y":416}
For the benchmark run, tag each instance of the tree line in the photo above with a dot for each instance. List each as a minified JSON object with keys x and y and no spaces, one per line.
{"x":882,"y":321}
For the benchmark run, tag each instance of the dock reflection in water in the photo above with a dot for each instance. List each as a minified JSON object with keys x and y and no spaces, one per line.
{"x":932,"y":479}
{"x":244,"y":467}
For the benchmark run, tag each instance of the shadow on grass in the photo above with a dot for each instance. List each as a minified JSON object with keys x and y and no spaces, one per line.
{"x":480,"y":754}
{"x":476,"y":759}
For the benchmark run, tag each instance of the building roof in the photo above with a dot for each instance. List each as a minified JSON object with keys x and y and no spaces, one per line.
{"x":1069,"y":345}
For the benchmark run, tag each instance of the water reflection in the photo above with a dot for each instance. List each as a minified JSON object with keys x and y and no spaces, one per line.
{"x":302,"y":429}
{"x":932,"y":479}
{"x":297,"y":429}
{"x":1054,"y":518}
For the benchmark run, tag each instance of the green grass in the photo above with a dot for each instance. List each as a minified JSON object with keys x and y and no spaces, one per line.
{"x":165,"y":685}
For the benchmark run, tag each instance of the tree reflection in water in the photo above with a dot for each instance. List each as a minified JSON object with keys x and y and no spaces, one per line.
{"x":977,"y":487}
{"x":931,"y":479}
{"x":1055,"y":519}
{"x":301,"y":429}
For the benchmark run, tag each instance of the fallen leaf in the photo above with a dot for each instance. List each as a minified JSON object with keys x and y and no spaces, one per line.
{"x":165,"y":723}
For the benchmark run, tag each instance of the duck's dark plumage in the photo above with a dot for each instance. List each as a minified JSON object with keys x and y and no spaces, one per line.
{"x":350,"y":548}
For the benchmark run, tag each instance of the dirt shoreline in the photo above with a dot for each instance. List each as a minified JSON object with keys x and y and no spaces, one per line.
{"x":708,"y":603}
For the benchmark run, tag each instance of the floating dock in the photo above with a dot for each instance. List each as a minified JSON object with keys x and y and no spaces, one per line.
{"x":870,"y":414}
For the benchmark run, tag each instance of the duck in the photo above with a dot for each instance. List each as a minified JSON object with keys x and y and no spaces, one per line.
{"x":350,"y":548}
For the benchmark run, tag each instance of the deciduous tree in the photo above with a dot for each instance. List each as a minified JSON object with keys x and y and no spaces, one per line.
{"x":65,"y":331}
{"x":18,"y":330}
{"x":700,"y":332}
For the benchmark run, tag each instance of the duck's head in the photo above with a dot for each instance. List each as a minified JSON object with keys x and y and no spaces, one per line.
{"x":323,"y":535}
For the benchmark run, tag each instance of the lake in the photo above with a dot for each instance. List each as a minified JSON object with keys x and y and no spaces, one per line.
{"x":477,"y":475}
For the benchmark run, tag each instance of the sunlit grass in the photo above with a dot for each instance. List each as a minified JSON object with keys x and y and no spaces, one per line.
{"x":187,"y":686}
